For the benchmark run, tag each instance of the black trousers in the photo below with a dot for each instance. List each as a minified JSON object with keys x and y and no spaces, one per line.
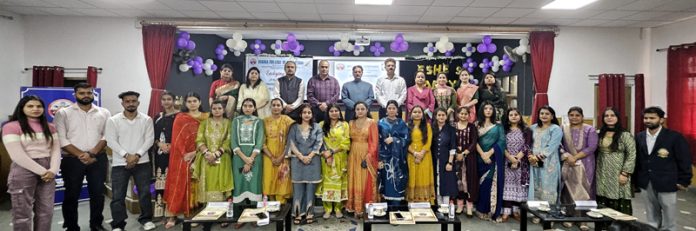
{"x":73,"y":172}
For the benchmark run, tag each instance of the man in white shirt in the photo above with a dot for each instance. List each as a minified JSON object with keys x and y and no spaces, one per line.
{"x":130,"y":134}
{"x":81,"y":133}
{"x":390,"y":87}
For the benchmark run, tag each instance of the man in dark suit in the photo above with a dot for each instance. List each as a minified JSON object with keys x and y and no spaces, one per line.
{"x":663,"y":166}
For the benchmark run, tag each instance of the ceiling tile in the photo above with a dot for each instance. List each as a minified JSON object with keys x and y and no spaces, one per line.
{"x":498,"y":20}
{"x":452,"y":2}
{"x":334,"y":1}
{"x":466,"y":20}
{"x":71,"y":4}
{"x":645,"y":16}
{"x":371,"y":18}
{"x":223,"y":6}
{"x":294,"y":1}
{"x":413,"y":2}
{"x":528,"y":4}
{"x":678,"y":16}
{"x":164,"y":14}
{"x":642,"y":5}
{"x":677,"y":5}
{"x":370,"y":10}
{"x":614,"y":14}
{"x":618,"y":23}
{"x":581,"y":14}
{"x":562,"y":21}
{"x":435,"y":19}
{"x":304,"y":17}
{"x":130,"y":13}
{"x":336,"y":9}
{"x":97,"y":12}
{"x":512,"y":12}
{"x":148,"y":5}
{"x":61,"y":11}
{"x":302,"y":8}
{"x":608,"y":5}
{"x":337,"y":17}
{"x":443,"y":11}
{"x":529,"y":21}
{"x":490,"y":3}
{"x":260,"y":7}
{"x":407,"y":10}
{"x":36,"y":3}
{"x":108,"y":4}
{"x":648,"y":24}
{"x":234,"y":14}
{"x":591,"y":22}
{"x":478,"y":12}
{"x":25,"y":10}
{"x":200,"y":14}
{"x":185,"y":5}
{"x":402,"y":19}
{"x":269,"y":16}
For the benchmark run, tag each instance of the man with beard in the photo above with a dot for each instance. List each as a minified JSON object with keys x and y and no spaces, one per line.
{"x":290,"y":89}
{"x":663,"y":166}
{"x":390,"y":87}
{"x":81,"y":132}
{"x":130,"y":134}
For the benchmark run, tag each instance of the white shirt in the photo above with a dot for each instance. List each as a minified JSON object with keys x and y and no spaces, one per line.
{"x":650,"y":139}
{"x":125,"y":136}
{"x":79,"y":128}
{"x":390,"y":89}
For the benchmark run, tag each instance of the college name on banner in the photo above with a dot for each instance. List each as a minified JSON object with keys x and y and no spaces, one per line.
{"x":273,"y":68}
{"x":451,"y":67}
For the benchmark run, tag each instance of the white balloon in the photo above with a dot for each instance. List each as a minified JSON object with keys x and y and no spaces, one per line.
{"x":524,"y":41}
{"x":521,"y":50}
{"x":349,"y":48}
{"x":244,"y":44}
{"x":344,"y":39}
{"x":224,"y":52}
{"x":495,"y":68}
{"x":231,"y":43}
{"x":440,"y":47}
{"x":277,"y":52}
{"x":238,"y":53}
{"x":184,"y":67}
{"x":337,"y":46}
{"x":356,"y":52}
{"x":444,"y":39}
{"x":237,"y":36}
{"x":208,"y":72}
{"x":206,"y":66}
{"x":449,"y":47}
{"x":209,"y":61}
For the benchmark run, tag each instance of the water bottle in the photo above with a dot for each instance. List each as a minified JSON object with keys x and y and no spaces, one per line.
{"x":370,"y":211}
{"x":230,"y":208}
{"x":451,"y":210}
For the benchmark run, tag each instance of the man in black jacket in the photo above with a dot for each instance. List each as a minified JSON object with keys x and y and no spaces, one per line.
{"x":663,"y":166}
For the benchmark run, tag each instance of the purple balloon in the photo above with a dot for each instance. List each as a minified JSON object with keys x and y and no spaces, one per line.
{"x":181,"y":43}
{"x":213,"y":67}
{"x":403,"y":46}
{"x":301,"y":47}
{"x":394,"y":47}
{"x":297,"y":52}
{"x":221,"y":46}
{"x":198,"y":59}
{"x":336,"y":53}
{"x":431,"y":49}
{"x":332,"y":49}
{"x":220,"y":57}
{"x":218,"y":50}
{"x":190,"y":62}
{"x":191,"y":45}
{"x":399,"y":38}
{"x":291,"y":37}
{"x":492,"y":48}
{"x":197,"y":71}
{"x":506,"y":68}
{"x":487,"y":39}
{"x":292,"y":45}
{"x":285,"y":46}
{"x":185,"y":35}
{"x":481,"y":48}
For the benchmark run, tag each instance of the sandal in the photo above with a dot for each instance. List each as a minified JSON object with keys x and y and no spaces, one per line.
{"x":297,"y":220}
{"x":309,"y":220}
{"x":224,"y":225}
{"x":567,"y":224}
{"x":171,"y":222}
{"x":584,"y":227}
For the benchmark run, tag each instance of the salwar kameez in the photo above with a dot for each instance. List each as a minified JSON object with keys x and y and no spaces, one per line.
{"x":467,"y":173}
{"x":248,"y":138}
{"x":305,"y":177}
{"x":578,"y":180}
{"x":362,"y":165}
{"x":214,"y":180}
{"x":516,"y":186}
{"x":445,"y":147}
{"x":544,"y":179}
{"x":420,"y":187}
{"x":610,"y":164}
{"x":333,"y":189}
{"x":276,"y":179}
{"x":394,"y":174}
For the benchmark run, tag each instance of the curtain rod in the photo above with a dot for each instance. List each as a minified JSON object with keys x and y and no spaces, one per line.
{"x":596,"y":77}
{"x":324,"y":26}
{"x":76,"y":69}
{"x":686,"y":45}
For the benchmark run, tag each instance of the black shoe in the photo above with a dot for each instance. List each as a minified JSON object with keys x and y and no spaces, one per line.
{"x":97,"y":228}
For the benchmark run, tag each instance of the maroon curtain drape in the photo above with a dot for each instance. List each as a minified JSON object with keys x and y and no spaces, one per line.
{"x":681,"y":93}
{"x":158,"y":45}
{"x":640,"y":103}
{"x":542,"y":45}
{"x":92,"y":76}
{"x":46,"y":76}
{"x":612,"y":91}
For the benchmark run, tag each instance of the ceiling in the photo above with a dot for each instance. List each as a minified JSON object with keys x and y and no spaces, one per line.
{"x":603,"y":13}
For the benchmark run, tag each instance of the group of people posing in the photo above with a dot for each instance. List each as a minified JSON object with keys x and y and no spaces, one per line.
{"x":458,"y":144}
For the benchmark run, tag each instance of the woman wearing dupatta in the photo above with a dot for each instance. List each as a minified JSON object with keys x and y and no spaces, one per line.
{"x":467,"y":94}
{"x":225,"y":89}
{"x":467,"y":173}
{"x":362,"y":161}
{"x":211,"y":167}
{"x":256,"y":89}
{"x":545,"y":165}
{"x":179,"y":194}
{"x":616,"y":160}
{"x":518,"y":141}
{"x":420,"y":95}
{"x":393,"y":142}
{"x":420,"y":187}
{"x":490,"y":91}
{"x":247,"y":142}
{"x":444,"y":149}
{"x":445,"y":96}
{"x":490,"y":165}
{"x":333,"y":189}
{"x":276,"y":169}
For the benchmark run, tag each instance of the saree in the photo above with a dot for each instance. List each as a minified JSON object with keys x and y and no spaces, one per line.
{"x":577,"y":179}
{"x":362,"y":178}
{"x":180,"y":192}
{"x":394,"y":174}
{"x":491,"y":181}
{"x":465,"y":94}
{"x":232,"y":91}
{"x":276,"y":179}
{"x":214,"y":180}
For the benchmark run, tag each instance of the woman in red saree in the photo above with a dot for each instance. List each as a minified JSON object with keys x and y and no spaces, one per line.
{"x":178,"y":192}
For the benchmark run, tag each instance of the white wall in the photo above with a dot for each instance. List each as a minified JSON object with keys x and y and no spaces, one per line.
{"x":11,"y":62}
{"x":662,"y":37}
{"x":114,"y":44}
{"x":582,"y":51}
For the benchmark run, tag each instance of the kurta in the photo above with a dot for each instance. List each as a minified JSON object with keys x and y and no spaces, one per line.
{"x":445,"y":145}
{"x":179,"y":195}
{"x":611,"y":163}
{"x":362,"y":178}
{"x":334,"y":184}
{"x":424,"y":98}
{"x":276,"y":179}
{"x":579,"y":180}
{"x":305,"y":143}
{"x":517,"y":179}
{"x":445,"y":97}
{"x":544,"y":179}
{"x":465,"y":94}
{"x":467,"y":171}
{"x":394,"y":174}
{"x":214,"y":180}
{"x":491,"y":176}
{"x":421,"y":187}
{"x":260,"y":95}
{"x":248,"y":137}
{"x":163,"y":133}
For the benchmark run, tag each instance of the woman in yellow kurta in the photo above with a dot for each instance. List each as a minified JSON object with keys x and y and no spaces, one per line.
{"x":213,"y":160}
{"x":333,"y":189}
{"x":421,"y":187}
{"x":276,"y":169}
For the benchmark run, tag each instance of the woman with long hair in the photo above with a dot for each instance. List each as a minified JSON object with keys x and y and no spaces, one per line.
{"x":444,"y":149}
{"x":211,"y":166}
{"x":247,"y":142}
{"x":180,"y":194}
{"x":226,"y":89}
{"x":256,"y":89}
{"x":34,"y":150}
{"x":362,"y":161}
{"x":393,"y":144}
{"x":420,"y":160}
{"x":420,"y":95}
{"x":490,"y":165}
{"x":163,"y":123}
{"x":518,"y":141}
{"x":489,"y":90}
{"x":544,"y":159}
{"x":333,"y":189}
{"x":467,"y":173}
{"x":445,"y":96}
{"x":305,"y":139}
{"x":616,"y":158}
{"x":276,"y":168}
{"x":467,"y":93}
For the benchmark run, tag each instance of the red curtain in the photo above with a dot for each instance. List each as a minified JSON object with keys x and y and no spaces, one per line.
{"x":542,"y":45}
{"x":92,"y":76}
{"x":45,"y":76}
{"x":640,"y":103}
{"x":681,"y":93}
{"x":158,"y":45}
{"x":612,"y":89}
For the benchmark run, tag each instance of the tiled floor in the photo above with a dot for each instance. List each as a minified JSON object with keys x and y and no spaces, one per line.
{"x":686,"y":203}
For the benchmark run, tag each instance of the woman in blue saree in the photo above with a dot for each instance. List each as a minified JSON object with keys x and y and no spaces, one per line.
{"x":490,"y":165}
{"x":393,"y":143}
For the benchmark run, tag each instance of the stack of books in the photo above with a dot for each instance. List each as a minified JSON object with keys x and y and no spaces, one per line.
{"x":585,"y":205}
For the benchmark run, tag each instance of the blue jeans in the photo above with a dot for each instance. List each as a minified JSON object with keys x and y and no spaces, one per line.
{"x":120,"y":176}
